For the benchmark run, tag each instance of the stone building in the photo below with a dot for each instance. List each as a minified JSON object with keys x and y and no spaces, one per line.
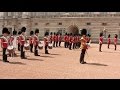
{"x":94,"y":22}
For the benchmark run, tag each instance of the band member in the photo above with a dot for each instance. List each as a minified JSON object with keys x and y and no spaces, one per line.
{"x":14,"y":42}
{"x":109,"y":41}
{"x":22,"y":42}
{"x":31,"y":38}
{"x":73,"y":40}
{"x":36,"y":42}
{"x":60,"y":39}
{"x":100,"y":41}
{"x":51,"y":37}
{"x":18,"y":39}
{"x":46,"y":41}
{"x":65,"y":40}
{"x":83,"y":46}
{"x":4,"y":43}
{"x":54,"y":38}
{"x":115,"y":41}
{"x":70,"y":41}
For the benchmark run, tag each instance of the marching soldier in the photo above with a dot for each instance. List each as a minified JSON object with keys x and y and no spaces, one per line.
{"x":4,"y":43}
{"x":60,"y":39}
{"x":109,"y":41}
{"x":18,"y":39}
{"x":70,"y":41}
{"x":115,"y":41}
{"x":54,"y":38}
{"x":65,"y":40}
{"x":36,"y":42}
{"x":83,"y":46}
{"x":22,"y":42}
{"x":100,"y":41}
{"x":46,"y":41}
{"x":31,"y":41}
{"x":14,"y":42}
{"x":73,"y":41}
{"x":51,"y":37}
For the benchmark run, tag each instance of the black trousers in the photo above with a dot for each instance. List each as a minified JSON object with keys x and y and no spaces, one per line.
{"x":115,"y":46}
{"x":35,"y":50}
{"x":70,"y":45}
{"x":4,"y":54}
{"x":73,"y":45}
{"x":108,"y":45}
{"x":46,"y":49}
{"x":18,"y":46}
{"x":59,"y":43}
{"x":100,"y":45}
{"x":65,"y":44}
{"x":53,"y":43}
{"x":22,"y":52}
{"x":31,"y":47}
{"x":56,"y":43}
{"x":82,"y":55}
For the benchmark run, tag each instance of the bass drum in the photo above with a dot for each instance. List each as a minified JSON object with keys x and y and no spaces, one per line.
{"x":40,"y":46}
{"x":10,"y":49}
{"x":26,"y":46}
{"x":50,"y":45}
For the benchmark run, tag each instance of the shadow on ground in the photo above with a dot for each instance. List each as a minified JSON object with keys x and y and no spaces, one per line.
{"x":33,"y":59}
{"x":17,"y":63}
{"x":97,"y":64}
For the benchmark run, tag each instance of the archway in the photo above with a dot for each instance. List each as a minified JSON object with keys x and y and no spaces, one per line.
{"x":73,"y":29}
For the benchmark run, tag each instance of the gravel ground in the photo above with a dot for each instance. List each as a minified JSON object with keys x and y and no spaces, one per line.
{"x":63,"y":63}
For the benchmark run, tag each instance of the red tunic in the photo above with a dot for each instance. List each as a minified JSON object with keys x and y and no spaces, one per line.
{"x":115,"y":41}
{"x":4,"y":42}
{"x":31,"y":40}
{"x":70,"y":39}
{"x":100,"y":40}
{"x":36,"y":40}
{"x":22,"y":39}
{"x":59,"y":38}
{"x":46,"y":41}
{"x":65,"y":38}
{"x":10,"y":40}
{"x":73,"y":39}
{"x":56,"y":38}
{"x":78,"y":38}
{"x":51,"y":38}
{"x":109,"y":41}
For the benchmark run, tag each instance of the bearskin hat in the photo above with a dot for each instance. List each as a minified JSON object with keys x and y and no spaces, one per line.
{"x":83,"y":31}
{"x":89,"y":35}
{"x":109,"y":36}
{"x":14,"y":32}
{"x":51,"y":33}
{"x":5,"y":30}
{"x":46,"y":33}
{"x":31,"y":32}
{"x":37,"y":31}
{"x":101,"y":34}
{"x":116,"y":35}
{"x":19,"y":32}
{"x":23,"y":29}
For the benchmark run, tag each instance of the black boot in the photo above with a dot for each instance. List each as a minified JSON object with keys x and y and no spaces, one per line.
{"x":36,"y":53}
{"x":5,"y":58}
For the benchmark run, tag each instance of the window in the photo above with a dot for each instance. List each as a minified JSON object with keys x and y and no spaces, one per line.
{"x":47,"y":24}
{"x":104,"y":24}
{"x":59,"y":23}
{"x":88,"y":23}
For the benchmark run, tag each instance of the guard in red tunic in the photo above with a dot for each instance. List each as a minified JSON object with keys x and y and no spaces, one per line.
{"x":60,"y":39}
{"x":46,"y":41}
{"x":51,"y":37}
{"x":22,"y":42}
{"x":18,"y":39}
{"x":36,"y":42}
{"x":109,"y":41}
{"x":54,"y":38}
{"x":31,"y":38}
{"x":4,"y":43}
{"x":115,"y":41}
{"x":73,"y":41}
{"x":100,"y":41}
{"x":70,"y":41}
{"x":65,"y":40}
